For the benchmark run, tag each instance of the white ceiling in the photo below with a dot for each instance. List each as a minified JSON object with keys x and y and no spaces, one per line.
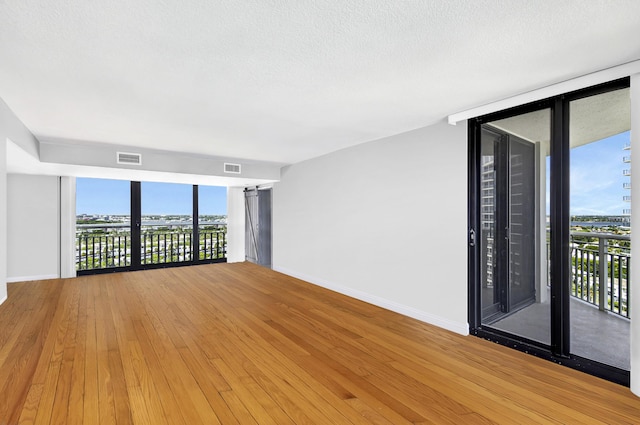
{"x":285,"y":81}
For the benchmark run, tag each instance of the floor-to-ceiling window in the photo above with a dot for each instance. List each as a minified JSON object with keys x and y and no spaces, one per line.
{"x":549,"y":218}
{"x":103,"y":224}
{"x":599,"y":141}
{"x":166,"y":230}
{"x":124,"y":225}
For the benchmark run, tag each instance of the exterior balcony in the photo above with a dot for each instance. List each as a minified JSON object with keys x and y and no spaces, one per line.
{"x":109,"y":247}
{"x":599,"y":306}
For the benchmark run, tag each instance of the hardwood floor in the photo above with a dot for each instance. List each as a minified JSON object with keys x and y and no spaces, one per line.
{"x":239,"y":344}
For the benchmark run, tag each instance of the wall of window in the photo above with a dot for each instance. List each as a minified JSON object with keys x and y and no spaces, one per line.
{"x":125,"y":225}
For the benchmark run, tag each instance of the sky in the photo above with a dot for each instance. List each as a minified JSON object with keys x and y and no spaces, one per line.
{"x":596,"y":179}
{"x":101,"y":196}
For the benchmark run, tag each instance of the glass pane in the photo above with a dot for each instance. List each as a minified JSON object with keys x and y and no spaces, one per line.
{"x":212,"y":222}
{"x":167,"y":224}
{"x":600,"y":227}
{"x":103,"y":236}
{"x":515,"y":291}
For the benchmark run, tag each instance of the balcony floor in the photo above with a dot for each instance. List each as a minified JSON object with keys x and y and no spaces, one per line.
{"x":596,"y":335}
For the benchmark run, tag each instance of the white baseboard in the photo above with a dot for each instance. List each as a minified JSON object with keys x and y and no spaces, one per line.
{"x":432,"y":319}
{"x":28,"y":278}
{"x":3,"y":299}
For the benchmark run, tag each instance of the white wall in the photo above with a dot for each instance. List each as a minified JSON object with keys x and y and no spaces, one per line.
{"x":10,"y":128}
{"x":177,"y":163}
{"x":235,"y":225}
{"x":67,"y":227}
{"x":634,"y":307}
{"x":384,"y":222}
{"x":33,"y":232}
{"x":3,"y":215}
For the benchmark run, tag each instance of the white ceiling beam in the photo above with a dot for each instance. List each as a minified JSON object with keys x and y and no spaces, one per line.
{"x":578,"y":83}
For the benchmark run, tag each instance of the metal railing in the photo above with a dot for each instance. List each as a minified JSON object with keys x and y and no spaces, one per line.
{"x":113,"y":250}
{"x":601,"y":270}
{"x":164,"y":247}
{"x":101,"y":251}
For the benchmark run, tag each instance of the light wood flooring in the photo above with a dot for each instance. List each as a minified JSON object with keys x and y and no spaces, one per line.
{"x":240,"y":344}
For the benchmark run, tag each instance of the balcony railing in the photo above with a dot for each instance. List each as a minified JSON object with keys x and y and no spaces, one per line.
{"x":601,"y":270}
{"x":113,"y":250}
{"x":102,"y":251}
{"x":158,"y":248}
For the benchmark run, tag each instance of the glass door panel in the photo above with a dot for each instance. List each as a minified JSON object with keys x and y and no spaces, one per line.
{"x":103,"y":230}
{"x":600,"y":227}
{"x":514,"y":284}
{"x":167,"y":223}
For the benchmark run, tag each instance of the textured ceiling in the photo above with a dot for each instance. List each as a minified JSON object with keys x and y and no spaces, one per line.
{"x":284,"y":81}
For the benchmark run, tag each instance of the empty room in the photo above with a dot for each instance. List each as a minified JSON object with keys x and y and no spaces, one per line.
{"x":319,"y":212}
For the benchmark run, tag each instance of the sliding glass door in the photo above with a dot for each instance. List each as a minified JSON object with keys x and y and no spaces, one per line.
{"x":549,"y":229}
{"x":514,"y":297}
{"x":166,"y":231}
{"x":600,"y":238}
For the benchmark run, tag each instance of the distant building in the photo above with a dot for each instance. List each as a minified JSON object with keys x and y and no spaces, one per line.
{"x":487,"y":205}
{"x":627,"y":185}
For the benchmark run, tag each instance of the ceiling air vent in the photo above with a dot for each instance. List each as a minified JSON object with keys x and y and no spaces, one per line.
{"x":129,"y":158}
{"x":231,"y":168}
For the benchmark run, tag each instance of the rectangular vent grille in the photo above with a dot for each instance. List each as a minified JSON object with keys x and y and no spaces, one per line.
{"x":231,"y":168}
{"x":129,"y":158}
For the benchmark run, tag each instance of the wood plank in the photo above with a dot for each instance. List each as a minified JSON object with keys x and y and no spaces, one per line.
{"x":90,"y":405}
{"x":75,"y":410}
{"x":24,"y":346}
{"x":240,"y":344}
